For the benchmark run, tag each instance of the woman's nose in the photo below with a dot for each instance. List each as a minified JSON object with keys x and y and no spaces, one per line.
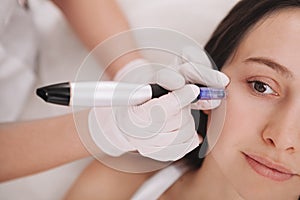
{"x":283,"y":130}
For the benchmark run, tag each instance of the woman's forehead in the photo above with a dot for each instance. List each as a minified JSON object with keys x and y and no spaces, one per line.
{"x":277,"y":37}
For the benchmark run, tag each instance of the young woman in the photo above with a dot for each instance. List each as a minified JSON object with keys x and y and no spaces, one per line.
{"x":257,"y":153}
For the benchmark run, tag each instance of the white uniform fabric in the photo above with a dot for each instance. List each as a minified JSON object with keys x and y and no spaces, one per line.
{"x":154,"y":187}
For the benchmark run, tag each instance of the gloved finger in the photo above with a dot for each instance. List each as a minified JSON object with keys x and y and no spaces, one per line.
{"x":182,"y":134}
{"x":200,"y":74}
{"x":148,"y":119}
{"x":169,"y":79}
{"x":163,"y":139}
{"x":147,"y":122}
{"x":196,"y":55}
{"x":175,"y":122}
{"x":109,"y":143}
{"x":173,"y":102}
{"x":154,"y":149}
{"x":185,"y":133}
{"x":160,"y":140}
{"x":206,"y":104}
{"x":171,"y":152}
{"x":195,"y":142}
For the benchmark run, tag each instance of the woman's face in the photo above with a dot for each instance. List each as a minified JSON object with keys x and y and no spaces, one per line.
{"x":258,"y":150}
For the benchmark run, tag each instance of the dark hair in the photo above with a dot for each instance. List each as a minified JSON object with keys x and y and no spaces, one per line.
{"x":226,"y":38}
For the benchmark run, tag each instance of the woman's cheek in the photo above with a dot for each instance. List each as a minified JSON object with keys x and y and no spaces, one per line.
{"x":244,"y":111}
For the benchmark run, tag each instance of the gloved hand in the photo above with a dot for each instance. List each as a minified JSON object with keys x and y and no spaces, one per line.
{"x":197,"y":68}
{"x":162,"y":128}
{"x":167,"y":133}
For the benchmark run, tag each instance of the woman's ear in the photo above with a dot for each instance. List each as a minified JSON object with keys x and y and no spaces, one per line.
{"x":207,"y":112}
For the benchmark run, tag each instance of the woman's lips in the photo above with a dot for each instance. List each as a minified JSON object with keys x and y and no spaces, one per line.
{"x":268,"y":169}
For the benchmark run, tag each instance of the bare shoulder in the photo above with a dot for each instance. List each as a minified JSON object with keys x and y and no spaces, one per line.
{"x":98,"y":181}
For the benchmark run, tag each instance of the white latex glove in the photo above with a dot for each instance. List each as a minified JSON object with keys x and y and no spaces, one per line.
{"x":129,"y":129}
{"x":162,"y":128}
{"x":196,"y":67}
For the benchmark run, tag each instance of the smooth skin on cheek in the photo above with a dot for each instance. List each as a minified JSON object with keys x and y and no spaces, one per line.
{"x":245,"y":119}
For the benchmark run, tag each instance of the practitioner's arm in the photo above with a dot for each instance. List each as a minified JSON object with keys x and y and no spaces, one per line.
{"x":34,"y":146}
{"x":96,"y":20}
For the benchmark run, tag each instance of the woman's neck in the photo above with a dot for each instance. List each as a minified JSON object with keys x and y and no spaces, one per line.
{"x":207,"y":183}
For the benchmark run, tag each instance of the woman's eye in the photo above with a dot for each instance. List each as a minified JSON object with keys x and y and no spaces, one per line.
{"x":262,"y":88}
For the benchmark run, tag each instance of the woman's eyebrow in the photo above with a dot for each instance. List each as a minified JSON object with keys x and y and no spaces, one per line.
{"x":272,"y":64}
